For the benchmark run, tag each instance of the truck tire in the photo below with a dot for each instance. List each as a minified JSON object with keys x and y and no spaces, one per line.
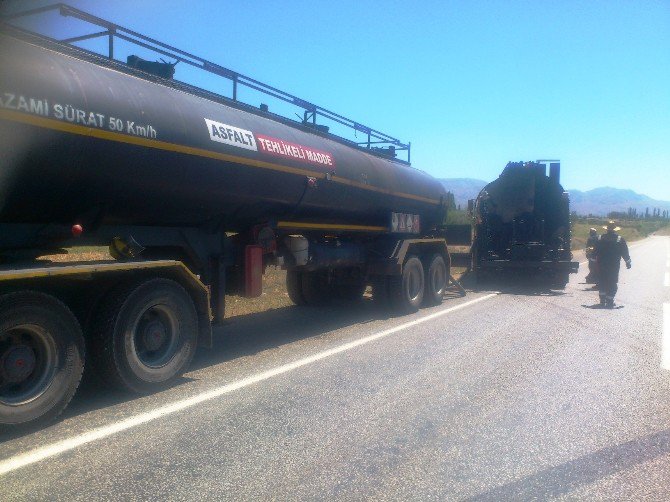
{"x":41,"y":358}
{"x":437,"y":280}
{"x":559,"y":281}
{"x":483,"y":278}
{"x":315,"y":288}
{"x":406,"y":291}
{"x":294,"y":287}
{"x":145,"y":335}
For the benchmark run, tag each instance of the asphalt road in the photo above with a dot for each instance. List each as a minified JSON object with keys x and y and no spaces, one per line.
{"x":508,"y":396}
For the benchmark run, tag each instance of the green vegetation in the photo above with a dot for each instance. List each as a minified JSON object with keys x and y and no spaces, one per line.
{"x":631,"y":230}
{"x":455,"y":217}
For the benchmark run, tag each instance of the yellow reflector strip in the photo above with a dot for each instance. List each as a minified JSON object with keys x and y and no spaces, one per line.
{"x":57,"y":125}
{"x":330,"y":226}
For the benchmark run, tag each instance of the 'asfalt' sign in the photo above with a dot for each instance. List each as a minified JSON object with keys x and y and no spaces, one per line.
{"x":231,"y":135}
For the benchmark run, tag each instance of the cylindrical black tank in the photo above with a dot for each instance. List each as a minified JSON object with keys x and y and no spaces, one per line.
{"x":83,"y":141}
{"x":523,"y":206}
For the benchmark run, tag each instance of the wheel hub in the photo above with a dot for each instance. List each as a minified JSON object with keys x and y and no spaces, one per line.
{"x":17,"y":363}
{"x":414,"y":284}
{"x":154,"y":336}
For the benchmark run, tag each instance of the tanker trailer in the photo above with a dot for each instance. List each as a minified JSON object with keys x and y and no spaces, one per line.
{"x":522,"y":226}
{"x":195,"y":194}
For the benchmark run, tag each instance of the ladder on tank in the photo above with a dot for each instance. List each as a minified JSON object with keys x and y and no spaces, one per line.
{"x":376,"y":142}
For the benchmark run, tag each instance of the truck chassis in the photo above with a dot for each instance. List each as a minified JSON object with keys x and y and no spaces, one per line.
{"x":137,"y":322}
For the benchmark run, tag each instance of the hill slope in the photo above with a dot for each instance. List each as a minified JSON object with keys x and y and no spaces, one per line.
{"x":463,"y":189}
{"x":598,"y":201}
{"x":601,"y":201}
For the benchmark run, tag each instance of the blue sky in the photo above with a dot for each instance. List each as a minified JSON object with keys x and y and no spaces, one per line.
{"x":472,"y":84}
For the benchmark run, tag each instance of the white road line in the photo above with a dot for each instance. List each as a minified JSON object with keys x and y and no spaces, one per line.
{"x":39,"y":454}
{"x":665,"y":343}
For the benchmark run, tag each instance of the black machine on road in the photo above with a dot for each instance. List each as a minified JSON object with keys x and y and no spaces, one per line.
{"x":195,"y":194}
{"x":522,"y":226}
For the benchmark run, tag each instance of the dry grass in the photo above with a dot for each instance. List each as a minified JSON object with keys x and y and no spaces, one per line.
{"x":630,"y":230}
{"x":85,"y":253}
{"x":580,"y":232}
{"x":274,"y":296}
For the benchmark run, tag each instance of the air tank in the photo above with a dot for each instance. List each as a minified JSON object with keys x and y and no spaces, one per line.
{"x":83,"y":141}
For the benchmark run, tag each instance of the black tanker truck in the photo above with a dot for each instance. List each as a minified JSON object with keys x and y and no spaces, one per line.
{"x":522,"y":227}
{"x":195,"y":194}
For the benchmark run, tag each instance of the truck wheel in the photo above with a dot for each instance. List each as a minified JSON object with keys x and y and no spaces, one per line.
{"x":437,"y":280}
{"x":294,"y":287}
{"x":406,"y":291}
{"x":41,"y":357}
{"x":146,"y":335}
{"x":559,"y":281}
{"x":315,"y":288}
{"x":483,"y":278}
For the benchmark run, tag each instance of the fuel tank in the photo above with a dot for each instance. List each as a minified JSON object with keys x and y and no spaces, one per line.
{"x":87,"y":142}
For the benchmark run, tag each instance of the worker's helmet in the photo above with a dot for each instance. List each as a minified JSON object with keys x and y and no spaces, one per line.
{"x":612,"y":226}
{"x":592,"y":231}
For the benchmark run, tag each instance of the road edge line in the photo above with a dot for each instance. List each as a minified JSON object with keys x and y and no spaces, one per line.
{"x":19,"y":461}
{"x":665,"y":340}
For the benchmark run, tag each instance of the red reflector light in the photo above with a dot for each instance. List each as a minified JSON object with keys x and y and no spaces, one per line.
{"x":77,"y":230}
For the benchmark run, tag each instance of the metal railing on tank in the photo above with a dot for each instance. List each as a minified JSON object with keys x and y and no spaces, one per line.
{"x":376,"y":142}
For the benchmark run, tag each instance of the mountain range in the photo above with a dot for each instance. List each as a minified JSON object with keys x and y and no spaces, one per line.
{"x":598,"y":201}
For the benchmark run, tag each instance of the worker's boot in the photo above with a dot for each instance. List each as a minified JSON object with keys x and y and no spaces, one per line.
{"x":609,"y":303}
